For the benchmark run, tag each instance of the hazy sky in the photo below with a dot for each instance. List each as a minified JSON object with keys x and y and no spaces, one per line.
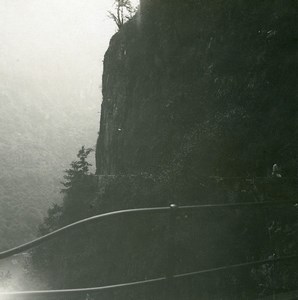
{"x":47,"y":36}
{"x":51,"y":59}
{"x":51,"y":51}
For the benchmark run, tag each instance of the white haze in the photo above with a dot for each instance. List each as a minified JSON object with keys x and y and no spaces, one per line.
{"x":51,"y":54}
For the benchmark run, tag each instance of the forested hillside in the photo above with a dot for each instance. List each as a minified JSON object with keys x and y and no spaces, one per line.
{"x":50,"y":71}
{"x":41,"y":129}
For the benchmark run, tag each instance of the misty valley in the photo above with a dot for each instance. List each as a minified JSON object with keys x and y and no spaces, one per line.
{"x":148,"y":150}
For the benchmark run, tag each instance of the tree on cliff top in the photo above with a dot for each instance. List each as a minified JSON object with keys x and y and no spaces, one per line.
{"x":124,"y":11}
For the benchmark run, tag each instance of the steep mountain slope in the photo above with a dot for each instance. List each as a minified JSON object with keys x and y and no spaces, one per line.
{"x":190,"y":92}
{"x":210,"y":86}
{"x":193,"y":90}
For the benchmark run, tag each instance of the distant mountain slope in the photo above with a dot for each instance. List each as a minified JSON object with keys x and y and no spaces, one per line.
{"x":41,"y":129}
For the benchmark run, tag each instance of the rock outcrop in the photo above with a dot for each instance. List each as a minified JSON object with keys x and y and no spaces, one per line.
{"x":201,"y":87}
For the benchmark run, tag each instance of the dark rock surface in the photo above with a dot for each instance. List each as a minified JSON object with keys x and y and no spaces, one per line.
{"x":199,"y":96}
{"x":206,"y":88}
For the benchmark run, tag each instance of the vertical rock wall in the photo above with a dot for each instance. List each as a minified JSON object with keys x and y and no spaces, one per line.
{"x":202,"y":87}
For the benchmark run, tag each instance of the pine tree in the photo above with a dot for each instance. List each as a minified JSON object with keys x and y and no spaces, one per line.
{"x":124,"y":11}
{"x":79,"y":169}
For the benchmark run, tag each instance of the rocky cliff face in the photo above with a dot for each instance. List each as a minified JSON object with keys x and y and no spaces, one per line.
{"x":190,"y":89}
{"x":201,"y":88}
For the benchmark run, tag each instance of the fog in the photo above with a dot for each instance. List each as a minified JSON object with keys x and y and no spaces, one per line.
{"x":51,"y":55}
{"x":54,"y":39}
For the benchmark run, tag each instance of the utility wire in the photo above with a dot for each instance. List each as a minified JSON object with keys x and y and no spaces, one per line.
{"x":82,"y":290}
{"x":240,"y":265}
{"x":97,"y":218}
{"x":148,"y":281}
{"x":240,"y":204}
{"x":93,"y":219}
{"x":69,"y":227}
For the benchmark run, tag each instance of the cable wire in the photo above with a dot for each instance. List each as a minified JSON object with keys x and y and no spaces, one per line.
{"x":97,"y":218}
{"x":82,"y":290}
{"x":51,"y":235}
{"x":148,"y":281}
